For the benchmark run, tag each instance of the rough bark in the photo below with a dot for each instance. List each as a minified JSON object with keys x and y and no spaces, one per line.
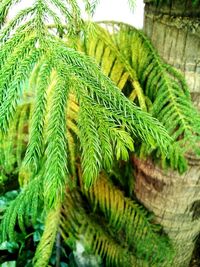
{"x":175,"y":32}
{"x":175,"y":199}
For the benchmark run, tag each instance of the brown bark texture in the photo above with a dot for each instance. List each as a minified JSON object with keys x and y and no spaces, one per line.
{"x":175,"y":201}
{"x":174,"y":30}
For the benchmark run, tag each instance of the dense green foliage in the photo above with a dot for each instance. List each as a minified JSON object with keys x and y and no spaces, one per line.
{"x":155,"y":86}
{"x":66,"y":129}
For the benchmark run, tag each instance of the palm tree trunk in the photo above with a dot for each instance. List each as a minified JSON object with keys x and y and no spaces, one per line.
{"x":175,"y":199}
{"x":174,"y":29}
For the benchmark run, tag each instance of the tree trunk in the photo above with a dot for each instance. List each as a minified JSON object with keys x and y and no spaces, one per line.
{"x":175,"y":199}
{"x":175,"y":32}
